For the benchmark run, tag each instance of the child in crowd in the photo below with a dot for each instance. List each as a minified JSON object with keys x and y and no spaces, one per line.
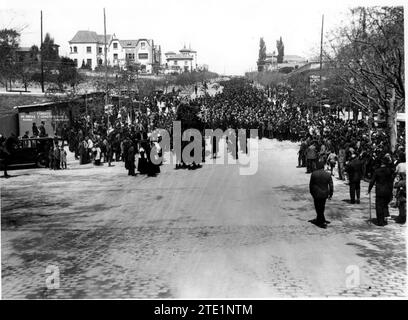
{"x":63,"y":157}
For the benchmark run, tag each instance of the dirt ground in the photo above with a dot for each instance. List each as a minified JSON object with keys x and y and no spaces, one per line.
{"x":204,"y":233}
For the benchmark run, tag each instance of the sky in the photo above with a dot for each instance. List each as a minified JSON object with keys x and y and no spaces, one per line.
{"x":225,"y":33}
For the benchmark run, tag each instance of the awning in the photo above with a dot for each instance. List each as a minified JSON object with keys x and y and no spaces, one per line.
{"x":401,"y":117}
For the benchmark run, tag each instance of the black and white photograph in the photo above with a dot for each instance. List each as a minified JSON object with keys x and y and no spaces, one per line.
{"x":202,"y":149}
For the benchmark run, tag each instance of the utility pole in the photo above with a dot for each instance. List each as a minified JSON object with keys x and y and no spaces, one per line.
{"x":321,"y":65}
{"x":106,"y":59}
{"x":86,"y":111}
{"x":41,"y":55}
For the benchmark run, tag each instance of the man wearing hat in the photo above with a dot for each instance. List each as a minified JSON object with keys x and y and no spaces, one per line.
{"x":355,"y":173}
{"x":321,"y":188}
{"x":383,"y":180}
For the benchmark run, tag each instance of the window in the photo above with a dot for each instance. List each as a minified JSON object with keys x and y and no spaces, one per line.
{"x":100,"y":62}
{"x":76,"y":62}
{"x":100,"y":50}
{"x":143,"y":45}
{"x":143,"y":56}
{"x":186,"y":63}
{"x":70,"y":49}
{"x":175,"y":62}
{"x":130,"y":56}
{"x":88,"y":49}
{"x":75,"y":50}
{"x":89,"y":62}
{"x":115,"y":56}
{"x":115,"y":45}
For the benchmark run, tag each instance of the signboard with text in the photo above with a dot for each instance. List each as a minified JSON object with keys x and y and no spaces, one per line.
{"x":53,"y":121}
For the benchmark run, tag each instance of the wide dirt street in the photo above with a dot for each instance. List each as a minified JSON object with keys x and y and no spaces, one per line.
{"x":205,"y":233}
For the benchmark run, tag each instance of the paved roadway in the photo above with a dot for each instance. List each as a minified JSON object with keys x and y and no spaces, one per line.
{"x":207,"y":233}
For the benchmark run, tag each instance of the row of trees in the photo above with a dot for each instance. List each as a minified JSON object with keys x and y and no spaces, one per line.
{"x":367,"y":57}
{"x":363,"y":69}
{"x":262,"y":53}
{"x":19,"y":66}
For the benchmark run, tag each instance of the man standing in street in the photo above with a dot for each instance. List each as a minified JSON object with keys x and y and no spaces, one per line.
{"x":355,"y":173}
{"x":301,"y":154}
{"x":341,"y":160}
{"x":321,"y":189}
{"x":383,"y":180}
{"x":311,"y":157}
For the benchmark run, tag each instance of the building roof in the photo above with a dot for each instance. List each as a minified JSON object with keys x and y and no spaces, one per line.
{"x":180,"y":57}
{"x":51,"y":103}
{"x":101,"y":38}
{"x":84,"y":36}
{"x":293,"y":58}
{"x":23,"y":49}
{"x":43,"y":104}
{"x":128,"y":43}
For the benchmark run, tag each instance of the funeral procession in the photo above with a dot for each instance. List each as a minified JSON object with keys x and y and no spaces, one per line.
{"x":202,"y":150}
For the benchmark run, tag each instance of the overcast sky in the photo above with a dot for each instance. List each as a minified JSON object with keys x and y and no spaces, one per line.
{"x":225,"y":33}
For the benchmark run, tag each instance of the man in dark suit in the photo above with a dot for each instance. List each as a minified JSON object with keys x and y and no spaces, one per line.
{"x":321,"y":188}
{"x":383,"y":180}
{"x":355,"y":172}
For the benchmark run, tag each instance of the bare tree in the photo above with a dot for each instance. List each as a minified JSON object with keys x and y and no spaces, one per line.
{"x":369,"y":58}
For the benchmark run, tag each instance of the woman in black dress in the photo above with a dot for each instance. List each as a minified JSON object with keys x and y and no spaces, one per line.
{"x":153,"y":167}
{"x":142,"y":163}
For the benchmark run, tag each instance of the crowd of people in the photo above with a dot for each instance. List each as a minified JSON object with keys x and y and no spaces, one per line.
{"x":352,"y":149}
{"x":358,"y":150}
{"x":124,"y":133}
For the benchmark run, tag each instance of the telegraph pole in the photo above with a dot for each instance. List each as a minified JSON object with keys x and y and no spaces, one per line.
{"x":41,"y":55}
{"x":106,"y":59}
{"x":321,"y":65}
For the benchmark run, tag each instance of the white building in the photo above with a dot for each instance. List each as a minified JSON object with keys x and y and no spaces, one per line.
{"x":87,"y":48}
{"x":293,"y":61}
{"x":184,"y":61}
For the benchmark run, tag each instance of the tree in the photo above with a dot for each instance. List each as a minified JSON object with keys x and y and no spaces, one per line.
{"x":50,"y":58}
{"x":281,"y":48}
{"x":67,"y":73}
{"x":369,"y":58}
{"x":9,"y":43}
{"x":262,"y":55}
{"x":49,"y":50}
{"x":27,"y":70}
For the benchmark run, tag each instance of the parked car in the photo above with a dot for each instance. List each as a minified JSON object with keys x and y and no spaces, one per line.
{"x":30,"y":151}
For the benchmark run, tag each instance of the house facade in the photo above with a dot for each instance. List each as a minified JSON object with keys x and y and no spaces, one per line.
{"x":87,"y":49}
{"x":184,"y":61}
